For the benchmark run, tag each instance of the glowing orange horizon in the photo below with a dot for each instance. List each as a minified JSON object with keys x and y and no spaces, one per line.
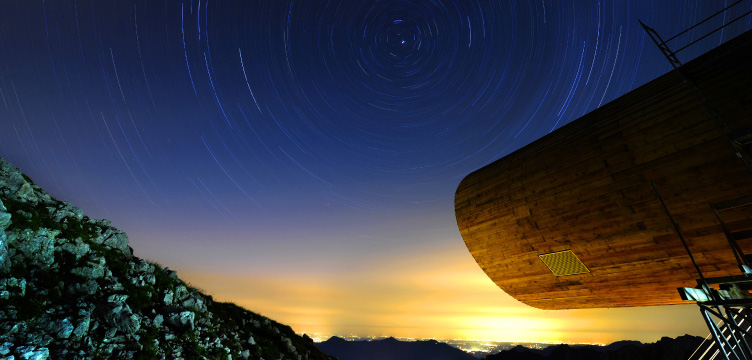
{"x":436,"y":295}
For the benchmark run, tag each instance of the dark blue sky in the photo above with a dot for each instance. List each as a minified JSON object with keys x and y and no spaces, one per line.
{"x":270,"y":136}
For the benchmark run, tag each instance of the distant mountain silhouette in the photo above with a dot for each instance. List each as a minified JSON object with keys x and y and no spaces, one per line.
{"x":554,"y":352}
{"x":620,"y":344}
{"x":665,"y":349}
{"x":519,"y":352}
{"x":391,"y":349}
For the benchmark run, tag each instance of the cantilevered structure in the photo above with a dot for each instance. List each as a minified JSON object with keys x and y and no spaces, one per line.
{"x":572,"y":220}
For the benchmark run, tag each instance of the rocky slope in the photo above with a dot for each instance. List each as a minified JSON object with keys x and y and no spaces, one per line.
{"x":70,"y":288}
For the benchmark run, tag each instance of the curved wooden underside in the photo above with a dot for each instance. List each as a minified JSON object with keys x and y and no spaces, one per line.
{"x":585,"y":188}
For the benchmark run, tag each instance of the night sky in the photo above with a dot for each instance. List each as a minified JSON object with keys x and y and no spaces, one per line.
{"x":300,"y":157}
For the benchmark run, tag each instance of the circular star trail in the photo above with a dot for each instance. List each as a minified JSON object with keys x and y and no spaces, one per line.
{"x":373,"y":104}
{"x":338,"y":128}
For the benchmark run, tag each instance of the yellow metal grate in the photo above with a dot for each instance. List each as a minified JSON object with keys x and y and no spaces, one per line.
{"x":563,"y":263}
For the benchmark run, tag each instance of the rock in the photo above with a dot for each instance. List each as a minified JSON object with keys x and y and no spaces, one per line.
{"x":142,"y":267}
{"x":42,"y":196}
{"x":130,"y":324}
{"x":78,"y":247}
{"x":116,"y":239}
{"x":65,"y":329}
{"x":5,"y":348}
{"x":82,"y":328}
{"x":12,"y":179}
{"x":117,"y":298}
{"x":4,"y":253}
{"x":4,"y":216}
{"x":40,"y":248}
{"x":150,"y":279}
{"x":19,"y":328}
{"x":121,"y":317}
{"x":26,"y":193}
{"x":181,"y":292}
{"x":89,"y":272}
{"x":33,"y":353}
{"x":95,"y":270}
{"x":195,"y":303}
{"x":182,"y":320}
{"x":168,"y":297}
{"x":109,"y":334}
{"x":290,"y":346}
{"x":89,"y":287}
{"x":14,"y":286}
{"x":44,"y":340}
{"x":67,"y":210}
{"x":171,"y":273}
{"x":116,"y":286}
{"x":158,"y":320}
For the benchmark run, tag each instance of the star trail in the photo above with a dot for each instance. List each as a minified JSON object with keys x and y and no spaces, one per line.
{"x":300,"y":157}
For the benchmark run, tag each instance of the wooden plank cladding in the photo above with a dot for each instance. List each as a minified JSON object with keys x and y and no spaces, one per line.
{"x":585,"y":188}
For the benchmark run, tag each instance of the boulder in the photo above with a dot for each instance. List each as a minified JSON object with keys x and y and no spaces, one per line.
{"x":103,"y":222}
{"x":78,"y":247}
{"x":38,"y":248}
{"x":4,"y":253}
{"x":95,"y":269}
{"x":116,"y":239}
{"x":26,"y":194}
{"x":20,"y":327}
{"x":4,"y":216}
{"x":67,"y":210}
{"x":171,"y":273}
{"x":195,"y":302}
{"x":84,"y":319}
{"x":141,"y":266}
{"x":64,"y":329}
{"x":290,"y":346}
{"x":14,"y":286}
{"x":129,"y":324}
{"x":150,"y":279}
{"x":168,"y":296}
{"x":5,"y":348}
{"x":90,"y":287}
{"x":33,"y":353}
{"x":183,"y":320}
{"x":181,"y":293}
{"x":158,"y":320}
{"x":121,"y":317}
{"x":12,"y":179}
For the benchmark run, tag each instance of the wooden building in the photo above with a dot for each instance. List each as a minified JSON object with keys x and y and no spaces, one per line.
{"x":585,"y":188}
